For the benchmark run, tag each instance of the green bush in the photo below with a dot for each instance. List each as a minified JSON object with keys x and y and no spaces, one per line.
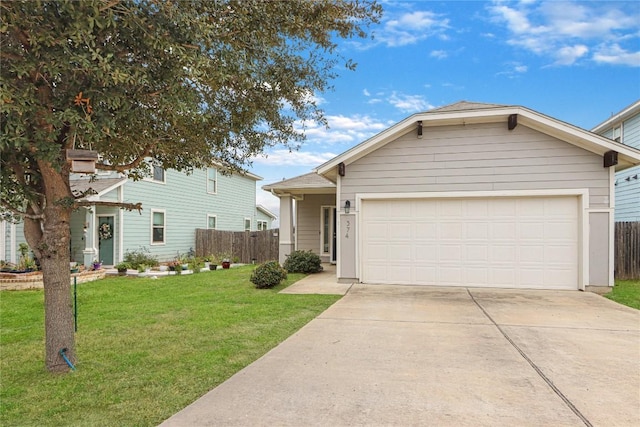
{"x":268,"y":275}
{"x":140,"y":257}
{"x":303,"y":262}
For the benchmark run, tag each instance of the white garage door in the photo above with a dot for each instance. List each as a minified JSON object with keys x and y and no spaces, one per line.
{"x":523,"y":242}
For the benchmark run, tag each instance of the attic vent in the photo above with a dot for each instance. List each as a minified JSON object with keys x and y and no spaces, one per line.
{"x":512,"y":122}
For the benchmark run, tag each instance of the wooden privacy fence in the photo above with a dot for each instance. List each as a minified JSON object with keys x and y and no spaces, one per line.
{"x":245,"y":246}
{"x":627,"y":248}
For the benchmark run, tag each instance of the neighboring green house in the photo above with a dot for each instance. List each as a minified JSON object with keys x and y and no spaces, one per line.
{"x":174,"y":206}
{"x":264,"y":218}
{"x":624,"y":127}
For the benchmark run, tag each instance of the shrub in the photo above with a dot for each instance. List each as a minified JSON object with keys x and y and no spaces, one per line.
{"x":140,"y":257}
{"x":303,"y":262}
{"x":268,"y":275}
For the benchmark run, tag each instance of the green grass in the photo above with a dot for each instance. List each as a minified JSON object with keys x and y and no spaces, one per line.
{"x":146,"y":348}
{"x":626,"y":292}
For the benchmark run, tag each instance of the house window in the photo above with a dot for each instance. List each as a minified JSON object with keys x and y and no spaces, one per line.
{"x":157,"y":227}
{"x":262,"y":225}
{"x":158,"y":173}
{"x":212,"y":180}
{"x":247,"y":224}
{"x":211,"y":222}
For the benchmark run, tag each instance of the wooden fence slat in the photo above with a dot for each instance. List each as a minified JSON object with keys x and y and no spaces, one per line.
{"x":246,"y":246}
{"x":627,"y":250}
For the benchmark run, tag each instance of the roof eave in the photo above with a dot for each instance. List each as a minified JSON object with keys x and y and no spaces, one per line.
{"x":444,"y":118}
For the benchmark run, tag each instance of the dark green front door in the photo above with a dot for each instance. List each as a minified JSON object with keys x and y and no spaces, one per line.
{"x":106,"y":235}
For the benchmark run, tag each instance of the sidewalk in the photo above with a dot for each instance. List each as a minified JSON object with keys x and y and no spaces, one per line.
{"x":319,"y":283}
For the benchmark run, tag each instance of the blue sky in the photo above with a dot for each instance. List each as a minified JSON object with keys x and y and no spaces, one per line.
{"x":576,"y":61}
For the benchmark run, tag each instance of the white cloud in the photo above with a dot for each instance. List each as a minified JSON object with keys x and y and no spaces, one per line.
{"x":365,"y":92}
{"x":567,"y":55}
{"x":513,"y":70}
{"x":342,"y":130}
{"x":412,"y":27}
{"x":614,"y":54}
{"x":438,"y":54}
{"x":283,"y":157}
{"x":568,"y":32}
{"x":409,"y":103}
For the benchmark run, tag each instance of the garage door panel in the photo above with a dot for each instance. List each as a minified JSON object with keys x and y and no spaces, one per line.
{"x":505,"y":242}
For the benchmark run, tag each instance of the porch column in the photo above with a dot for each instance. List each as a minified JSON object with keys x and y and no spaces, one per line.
{"x":90,"y":252}
{"x":287,"y":244}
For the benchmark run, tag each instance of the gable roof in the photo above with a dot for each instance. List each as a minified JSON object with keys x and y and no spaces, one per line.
{"x":465,"y":112}
{"x":304,"y":184}
{"x":266,"y":211}
{"x":94,"y":188}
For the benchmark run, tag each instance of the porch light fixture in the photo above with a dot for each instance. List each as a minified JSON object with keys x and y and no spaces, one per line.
{"x":419,"y":128}
{"x":347,"y":206}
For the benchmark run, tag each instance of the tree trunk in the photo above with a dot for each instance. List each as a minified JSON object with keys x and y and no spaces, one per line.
{"x":49,"y":238}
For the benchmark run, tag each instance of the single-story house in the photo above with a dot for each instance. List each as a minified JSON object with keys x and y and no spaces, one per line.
{"x":468,"y":194}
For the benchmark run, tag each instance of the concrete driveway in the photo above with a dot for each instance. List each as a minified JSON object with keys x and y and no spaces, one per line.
{"x":406,"y":355}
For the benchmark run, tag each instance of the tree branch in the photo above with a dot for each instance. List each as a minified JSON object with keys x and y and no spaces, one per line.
{"x":15,"y":211}
{"x":132,"y":165}
{"x":127,"y":206}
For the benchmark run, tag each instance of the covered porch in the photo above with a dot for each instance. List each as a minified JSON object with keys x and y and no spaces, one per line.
{"x":307,"y":216}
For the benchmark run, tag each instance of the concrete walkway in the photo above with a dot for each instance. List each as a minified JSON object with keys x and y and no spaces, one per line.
{"x":415,"y":356}
{"x":319,"y":283}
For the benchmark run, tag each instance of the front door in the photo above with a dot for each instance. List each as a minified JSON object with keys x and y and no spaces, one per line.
{"x":106,"y":234}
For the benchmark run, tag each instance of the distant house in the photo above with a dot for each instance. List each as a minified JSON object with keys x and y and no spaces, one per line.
{"x":624,"y":127}
{"x":468,"y":194}
{"x":174,"y":205}
{"x":264,"y":218}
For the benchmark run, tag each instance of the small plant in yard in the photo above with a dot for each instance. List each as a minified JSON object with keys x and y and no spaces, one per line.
{"x":268,"y":275}
{"x":139,"y":257}
{"x":303,"y":262}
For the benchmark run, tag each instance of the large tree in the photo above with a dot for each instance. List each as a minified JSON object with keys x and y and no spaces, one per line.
{"x":177,"y":82}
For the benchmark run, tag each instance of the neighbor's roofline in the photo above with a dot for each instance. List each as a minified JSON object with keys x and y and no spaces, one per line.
{"x":266,"y":211}
{"x":618,"y":117}
{"x":546,"y":124}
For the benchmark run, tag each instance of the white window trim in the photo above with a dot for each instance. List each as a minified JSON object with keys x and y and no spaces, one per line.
{"x":216,"y":218}
{"x":244,"y":225}
{"x":207,"y":181}
{"x":265,"y":225}
{"x":164,"y":234}
{"x":331,"y":230}
{"x":155,"y":181}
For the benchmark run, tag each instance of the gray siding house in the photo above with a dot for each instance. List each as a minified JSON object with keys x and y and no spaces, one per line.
{"x":174,"y":206}
{"x":624,"y":127}
{"x":464,"y":195}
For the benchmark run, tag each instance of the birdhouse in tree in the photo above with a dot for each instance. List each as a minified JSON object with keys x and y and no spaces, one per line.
{"x":82,"y":161}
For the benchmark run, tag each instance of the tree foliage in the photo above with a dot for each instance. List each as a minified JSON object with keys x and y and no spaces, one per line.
{"x":177,"y":82}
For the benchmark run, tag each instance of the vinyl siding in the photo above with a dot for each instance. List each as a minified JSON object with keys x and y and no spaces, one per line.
{"x":309,"y":220}
{"x":186,"y":203}
{"x":484,"y":157}
{"x":628,"y":195}
{"x":261,"y":216}
{"x":631,"y":132}
{"x":627,"y":200}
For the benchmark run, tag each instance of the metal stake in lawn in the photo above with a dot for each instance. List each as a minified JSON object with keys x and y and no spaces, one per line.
{"x":75,"y":303}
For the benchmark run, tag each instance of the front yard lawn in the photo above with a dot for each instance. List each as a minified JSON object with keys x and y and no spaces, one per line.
{"x":626,"y":292}
{"x":146,"y":348}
